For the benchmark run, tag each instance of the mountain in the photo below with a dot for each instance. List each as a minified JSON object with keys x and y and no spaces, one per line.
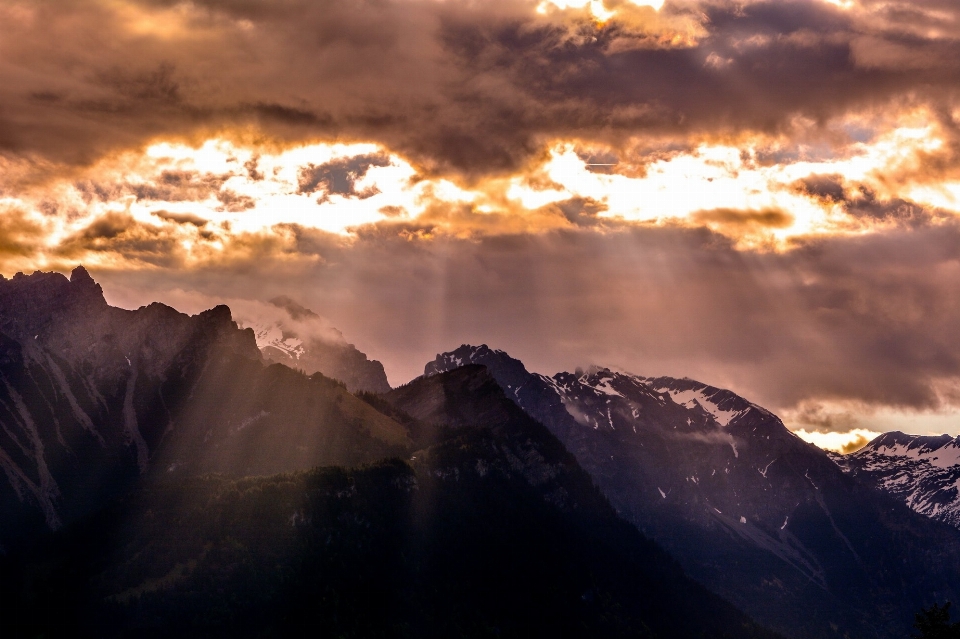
{"x":921,"y":471}
{"x":93,"y":398}
{"x":764,"y":519}
{"x":303,"y":340}
{"x":490,"y":529}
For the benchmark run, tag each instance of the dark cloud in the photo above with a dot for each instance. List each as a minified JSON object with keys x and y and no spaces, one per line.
{"x":828,"y":188}
{"x":20,"y":236}
{"x":871,"y":319}
{"x":861,"y":202}
{"x":181,"y":218}
{"x":768,"y":218}
{"x":580,"y":211}
{"x":120,"y":237}
{"x":463,"y":87}
{"x":339,"y":177}
{"x":234,"y":202}
{"x":179,"y":186}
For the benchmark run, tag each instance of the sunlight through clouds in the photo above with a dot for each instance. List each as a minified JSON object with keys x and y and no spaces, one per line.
{"x":759,"y":194}
{"x":844,"y":443}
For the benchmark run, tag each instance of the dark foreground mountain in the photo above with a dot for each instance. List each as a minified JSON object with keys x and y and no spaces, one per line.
{"x":491,"y":529}
{"x":921,"y":471}
{"x":93,"y":397}
{"x":303,"y":340}
{"x":751,"y":511}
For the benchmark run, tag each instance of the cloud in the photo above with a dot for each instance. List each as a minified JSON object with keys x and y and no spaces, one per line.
{"x":179,"y":186}
{"x":181,"y":218}
{"x":775,"y":211}
{"x":340,"y":176}
{"x":862,"y":202}
{"x":459,"y":88}
{"x":770,"y":218}
{"x":864,"y":319}
{"x":843,"y":443}
{"x":20,"y":234}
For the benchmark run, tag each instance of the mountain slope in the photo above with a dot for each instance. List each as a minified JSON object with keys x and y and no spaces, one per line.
{"x":754,"y":513}
{"x":921,"y":471}
{"x":93,"y":397}
{"x":491,"y":530}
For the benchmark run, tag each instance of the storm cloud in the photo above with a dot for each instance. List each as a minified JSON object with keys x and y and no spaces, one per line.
{"x":869,"y":319}
{"x":459,"y":87}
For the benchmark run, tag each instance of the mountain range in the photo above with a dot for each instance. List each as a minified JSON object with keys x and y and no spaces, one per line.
{"x":757,"y":515}
{"x":921,"y":471}
{"x":163,"y":475}
{"x":94,"y":397}
{"x":161,"y":478}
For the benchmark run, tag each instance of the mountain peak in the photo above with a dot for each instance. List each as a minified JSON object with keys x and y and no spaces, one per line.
{"x":923,"y":471}
{"x":896,"y":443}
{"x":80,"y":275}
{"x":509,"y":372}
{"x":28,"y":303}
{"x":469,"y":354}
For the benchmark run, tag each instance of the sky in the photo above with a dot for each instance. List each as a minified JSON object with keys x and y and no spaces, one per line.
{"x":762,"y":195}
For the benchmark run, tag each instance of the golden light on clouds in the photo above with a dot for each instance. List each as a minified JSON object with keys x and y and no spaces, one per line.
{"x":599,"y":8}
{"x":757,"y":192}
{"x":800,"y":144}
{"x":847,"y":442}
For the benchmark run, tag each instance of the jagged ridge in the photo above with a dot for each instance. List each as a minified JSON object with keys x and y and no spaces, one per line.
{"x":921,"y":471}
{"x":93,"y":397}
{"x":749,"y":509}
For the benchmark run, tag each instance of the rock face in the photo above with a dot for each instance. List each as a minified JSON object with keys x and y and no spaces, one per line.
{"x":304,"y":341}
{"x":93,"y":397}
{"x":750,"y":510}
{"x":921,"y":471}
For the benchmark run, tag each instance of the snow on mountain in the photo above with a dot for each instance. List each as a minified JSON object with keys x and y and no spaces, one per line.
{"x":289,"y":334}
{"x":272,"y":337}
{"x":921,"y":471}
{"x":748,"y":508}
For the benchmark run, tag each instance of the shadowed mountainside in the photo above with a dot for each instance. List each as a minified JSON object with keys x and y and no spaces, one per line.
{"x":750,"y":510}
{"x":490,"y":530}
{"x":93,"y":397}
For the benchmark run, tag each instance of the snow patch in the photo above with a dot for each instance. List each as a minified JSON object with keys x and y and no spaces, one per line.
{"x":693,"y":398}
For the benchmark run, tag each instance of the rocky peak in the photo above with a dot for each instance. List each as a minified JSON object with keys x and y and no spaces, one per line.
{"x":921,"y":471}
{"x":897,"y":443}
{"x":218,"y":322}
{"x":80,"y":279}
{"x":509,"y":372}
{"x":29,"y":304}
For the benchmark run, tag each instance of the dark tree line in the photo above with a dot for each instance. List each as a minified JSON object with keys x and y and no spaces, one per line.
{"x":934,"y":623}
